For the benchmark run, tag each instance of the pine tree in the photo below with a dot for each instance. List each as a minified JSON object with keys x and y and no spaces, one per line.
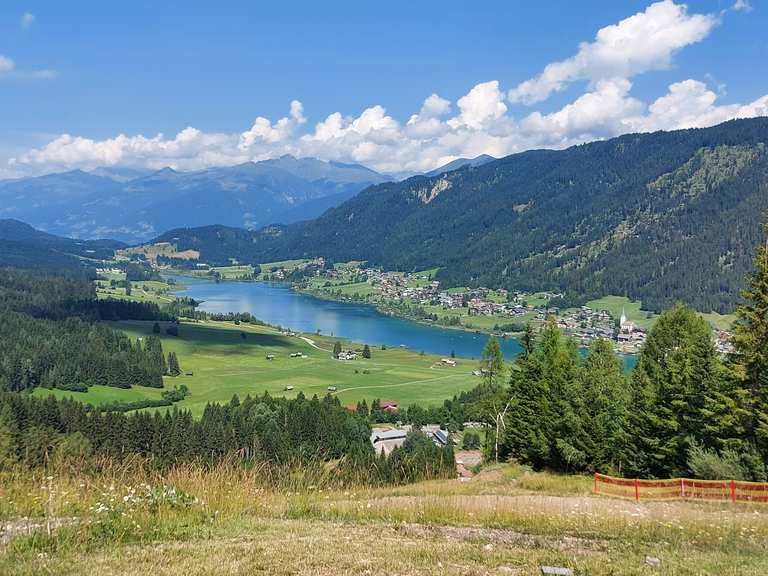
{"x":366,"y":351}
{"x":750,"y":341}
{"x":528,"y":340}
{"x":604,"y":402}
{"x":677,"y":375}
{"x":336,"y":349}
{"x":156,"y":328}
{"x":173,"y":364}
{"x":492,"y":363}
{"x":9,"y":437}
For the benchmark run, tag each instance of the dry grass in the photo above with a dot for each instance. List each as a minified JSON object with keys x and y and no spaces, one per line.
{"x":234,"y":521}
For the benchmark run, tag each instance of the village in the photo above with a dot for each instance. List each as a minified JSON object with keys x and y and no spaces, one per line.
{"x":499,"y":311}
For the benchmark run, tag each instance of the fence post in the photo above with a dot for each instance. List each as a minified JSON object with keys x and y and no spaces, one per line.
{"x":682,"y":488}
{"x":637,"y":489}
{"x":595,"y":482}
{"x":733,"y":490}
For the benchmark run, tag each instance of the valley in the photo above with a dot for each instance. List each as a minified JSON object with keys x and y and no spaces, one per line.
{"x":402,"y":289}
{"x":221,"y":359}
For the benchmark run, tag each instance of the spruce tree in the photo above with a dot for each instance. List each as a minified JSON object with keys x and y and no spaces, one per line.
{"x":173,"y":364}
{"x":750,"y":341}
{"x":604,"y":402}
{"x":366,"y":351}
{"x":677,"y":375}
{"x":336,"y":349}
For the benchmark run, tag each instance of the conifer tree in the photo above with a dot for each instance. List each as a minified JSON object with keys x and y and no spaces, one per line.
{"x":336,"y":349}
{"x":677,"y":374}
{"x":366,"y":351}
{"x":750,"y":341}
{"x":173,"y":364}
{"x":9,"y":438}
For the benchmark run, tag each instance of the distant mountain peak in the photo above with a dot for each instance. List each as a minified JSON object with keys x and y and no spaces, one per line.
{"x":461,"y":163}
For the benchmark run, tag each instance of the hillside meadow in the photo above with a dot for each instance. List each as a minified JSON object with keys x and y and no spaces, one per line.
{"x":219,"y":359}
{"x":506,"y":520}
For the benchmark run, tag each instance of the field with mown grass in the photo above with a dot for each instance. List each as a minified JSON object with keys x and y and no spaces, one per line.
{"x":229,"y":520}
{"x":227,"y":359}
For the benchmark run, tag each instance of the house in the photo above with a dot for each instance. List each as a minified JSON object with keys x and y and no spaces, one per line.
{"x":389,"y":406}
{"x":448,"y":362}
{"x":441,"y":437}
{"x":385,"y":440}
{"x":270,"y":356}
{"x":331,"y":388}
{"x":289,"y":387}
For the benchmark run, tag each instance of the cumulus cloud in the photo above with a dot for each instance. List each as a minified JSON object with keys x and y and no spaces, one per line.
{"x":479,"y":122}
{"x":643,"y":42}
{"x":6,"y":64}
{"x":27,"y":19}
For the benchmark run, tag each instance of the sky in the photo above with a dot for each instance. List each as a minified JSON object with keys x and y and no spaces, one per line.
{"x":400,"y":87}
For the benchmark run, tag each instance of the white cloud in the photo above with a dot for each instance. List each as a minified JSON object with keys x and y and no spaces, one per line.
{"x":6,"y":64}
{"x":479,"y":122}
{"x":601,"y":112}
{"x":643,"y":42}
{"x":742,"y":6}
{"x":27,"y":19}
{"x":690,"y":104}
{"x":483,"y":104}
{"x":264,"y":132}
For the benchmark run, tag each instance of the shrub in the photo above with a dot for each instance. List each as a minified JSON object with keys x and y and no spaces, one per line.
{"x":471,"y":440}
{"x":709,"y":465}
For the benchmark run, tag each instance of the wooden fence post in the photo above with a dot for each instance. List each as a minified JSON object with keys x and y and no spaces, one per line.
{"x":637,"y":489}
{"x":733,"y":490}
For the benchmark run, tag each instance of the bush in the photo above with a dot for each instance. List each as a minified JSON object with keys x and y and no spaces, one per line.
{"x":709,"y":465}
{"x":471,"y":440}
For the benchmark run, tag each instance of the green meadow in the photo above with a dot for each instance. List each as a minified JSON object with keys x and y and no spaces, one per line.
{"x":225,"y":359}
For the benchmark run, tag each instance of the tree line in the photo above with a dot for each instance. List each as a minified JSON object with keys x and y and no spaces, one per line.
{"x":36,"y":432}
{"x":684,"y":410}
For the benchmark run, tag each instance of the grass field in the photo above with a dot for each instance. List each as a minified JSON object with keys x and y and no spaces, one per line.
{"x":223,"y":363}
{"x":506,"y":520}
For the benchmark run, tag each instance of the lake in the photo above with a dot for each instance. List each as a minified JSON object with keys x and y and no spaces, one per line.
{"x":278,"y":304}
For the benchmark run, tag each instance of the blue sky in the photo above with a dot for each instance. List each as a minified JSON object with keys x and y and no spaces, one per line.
{"x":96,"y":70}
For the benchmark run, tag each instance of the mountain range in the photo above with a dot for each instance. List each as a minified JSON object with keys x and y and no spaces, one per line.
{"x":135,"y":205}
{"x":662,"y":217}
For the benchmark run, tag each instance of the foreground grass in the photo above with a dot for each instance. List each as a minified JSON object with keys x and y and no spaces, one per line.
{"x":505,"y":521}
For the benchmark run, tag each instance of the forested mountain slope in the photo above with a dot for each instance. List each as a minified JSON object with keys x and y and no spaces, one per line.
{"x":23,"y":246}
{"x":663,"y":217}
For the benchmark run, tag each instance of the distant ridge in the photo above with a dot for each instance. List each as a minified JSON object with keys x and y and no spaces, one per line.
{"x":134,"y":205}
{"x":461,"y":163}
{"x":23,"y":246}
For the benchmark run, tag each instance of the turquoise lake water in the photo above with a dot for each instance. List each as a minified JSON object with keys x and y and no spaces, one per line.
{"x":278,"y":304}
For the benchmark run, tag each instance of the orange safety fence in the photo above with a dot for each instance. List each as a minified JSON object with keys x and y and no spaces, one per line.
{"x":681,"y":489}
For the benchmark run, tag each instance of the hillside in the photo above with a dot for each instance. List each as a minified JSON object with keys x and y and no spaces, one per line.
{"x":133,"y":205}
{"x":23,"y":246}
{"x":661,"y":217}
